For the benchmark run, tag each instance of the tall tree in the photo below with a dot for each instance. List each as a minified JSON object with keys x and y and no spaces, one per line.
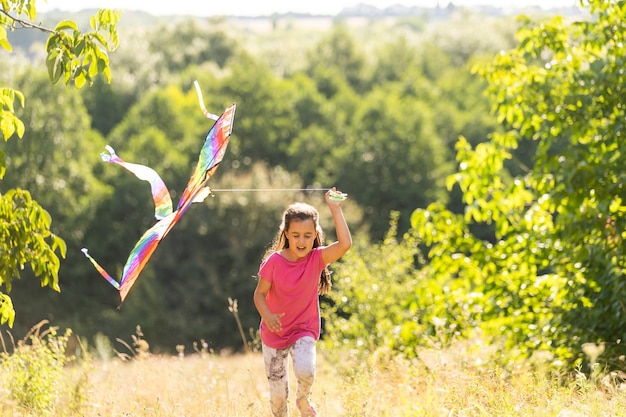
{"x":554,"y":279}
{"x":337,"y":56}
{"x":392,"y":158}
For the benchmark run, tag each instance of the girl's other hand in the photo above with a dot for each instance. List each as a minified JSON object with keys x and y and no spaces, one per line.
{"x":273,"y":322}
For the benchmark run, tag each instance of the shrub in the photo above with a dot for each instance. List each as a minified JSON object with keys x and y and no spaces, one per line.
{"x":34,"y":370}
{"x":368,"y":304}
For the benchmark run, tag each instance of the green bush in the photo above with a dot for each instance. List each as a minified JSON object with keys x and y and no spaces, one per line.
{"x":34,"y":370}
{"x":368,"y":309}
{"x":386,"y":298}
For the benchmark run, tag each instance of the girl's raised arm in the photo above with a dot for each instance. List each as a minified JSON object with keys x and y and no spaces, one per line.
{"x":335,"y":250}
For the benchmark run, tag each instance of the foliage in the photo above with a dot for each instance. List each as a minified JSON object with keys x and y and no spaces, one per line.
{"x":31,"y":242}
{"x":342,"y":115}
{"x":551,"y":276}
{"x":25,"y":233}
{"x":34,"y":370}
{"x":79,"y":57}
{"x":49,"y":161}
{"x":366,"y":309}
{"x":160,"y":54}
{"x":196,"y":44}
{"x":9,"y":123}
{"x":336,"y":56}
{"x":76,"y":56}
{"x":268,"y":121}
{"x":392,"y":162}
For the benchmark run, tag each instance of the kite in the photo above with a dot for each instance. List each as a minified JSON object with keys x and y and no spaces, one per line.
{"x":210,"y":157}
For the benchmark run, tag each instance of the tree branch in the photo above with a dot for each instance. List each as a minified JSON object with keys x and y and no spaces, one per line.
{"x":24,"y":24}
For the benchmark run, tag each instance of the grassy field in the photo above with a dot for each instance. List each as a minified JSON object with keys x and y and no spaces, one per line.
{"x":451,"y":382}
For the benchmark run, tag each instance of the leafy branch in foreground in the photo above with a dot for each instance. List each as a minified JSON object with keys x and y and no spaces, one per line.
{"x":77,"y":56}
{"x":25,"y":236}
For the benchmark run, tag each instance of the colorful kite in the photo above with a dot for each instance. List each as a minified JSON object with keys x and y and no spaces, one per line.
{"x":196,"y":191}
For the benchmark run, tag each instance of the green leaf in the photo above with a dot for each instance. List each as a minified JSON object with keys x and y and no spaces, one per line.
{"x":19,"y":127}
{"x":93,"y":69}
{"x":20,"y":97}
{"x":3,"y":164}
{"x":55,"y":69}
{"x":4,"y":41}
{"x":80,"y":78}
{"x":7,"y":313}
{"x":79,"y":47}
{"x":7,"y":127}
{"x":65,"y":25}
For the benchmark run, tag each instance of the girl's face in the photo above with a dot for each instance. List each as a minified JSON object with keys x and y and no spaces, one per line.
{"x":301,"y":236}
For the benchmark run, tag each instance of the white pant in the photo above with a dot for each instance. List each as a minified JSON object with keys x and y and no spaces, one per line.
{"x":276,"y":368}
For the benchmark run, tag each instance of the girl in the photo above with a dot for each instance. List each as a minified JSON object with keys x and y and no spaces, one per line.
{"x":292,"y":275}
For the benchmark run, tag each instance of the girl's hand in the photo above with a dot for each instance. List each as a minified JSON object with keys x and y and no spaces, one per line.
{"x":273,"y":322}
{"x":333,"y":196}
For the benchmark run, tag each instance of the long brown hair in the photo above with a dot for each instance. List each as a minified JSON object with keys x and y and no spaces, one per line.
{"x":299,"y":212}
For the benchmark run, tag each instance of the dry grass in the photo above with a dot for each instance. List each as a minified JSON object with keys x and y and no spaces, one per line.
{"x":439,"y":383}
{"x":172,"y":386}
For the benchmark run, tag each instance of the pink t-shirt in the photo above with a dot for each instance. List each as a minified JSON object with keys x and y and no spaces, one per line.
{"x":294,"y":291}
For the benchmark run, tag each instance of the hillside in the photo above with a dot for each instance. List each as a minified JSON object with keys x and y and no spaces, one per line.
{"x":360,"y":15}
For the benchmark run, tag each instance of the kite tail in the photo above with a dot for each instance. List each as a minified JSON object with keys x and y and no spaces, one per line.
{"x":201,"y":101}
{"x":160,"y":193}
{"x":111,"y":156}
{"x":101,"y":270}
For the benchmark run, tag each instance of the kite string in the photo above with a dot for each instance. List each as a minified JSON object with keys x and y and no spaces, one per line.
{"x":335,"y":196}
{"x":222,"y":190}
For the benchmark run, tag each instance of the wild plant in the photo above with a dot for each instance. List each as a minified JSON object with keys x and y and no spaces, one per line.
{"x":34,"y":370}
{"x":140,"y":347}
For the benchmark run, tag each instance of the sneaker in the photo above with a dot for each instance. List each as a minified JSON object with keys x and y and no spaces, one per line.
{"x":306,"y":409}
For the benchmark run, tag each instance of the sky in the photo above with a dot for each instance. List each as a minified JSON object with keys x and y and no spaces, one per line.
{"x":267,"y":7}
